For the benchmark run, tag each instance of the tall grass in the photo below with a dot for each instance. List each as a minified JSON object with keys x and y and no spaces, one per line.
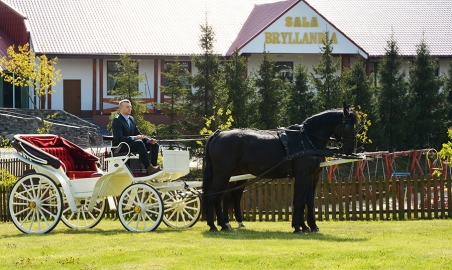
{"x":423,"y":244}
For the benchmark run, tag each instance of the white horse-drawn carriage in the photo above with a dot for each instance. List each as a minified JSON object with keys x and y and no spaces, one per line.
{"x":67,"y":183}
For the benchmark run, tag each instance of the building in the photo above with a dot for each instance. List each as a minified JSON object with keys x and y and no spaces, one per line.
{"x":88,"y":37}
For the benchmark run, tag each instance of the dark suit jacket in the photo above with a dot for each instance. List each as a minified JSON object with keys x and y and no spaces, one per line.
{"x":121,"y":130}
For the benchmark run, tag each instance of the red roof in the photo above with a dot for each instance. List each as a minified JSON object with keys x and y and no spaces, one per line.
{"x":13,"y":30}
{"x":261,"y":17}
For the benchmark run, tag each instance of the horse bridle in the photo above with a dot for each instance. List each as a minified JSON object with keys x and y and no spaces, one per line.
{"x":345,"y":126}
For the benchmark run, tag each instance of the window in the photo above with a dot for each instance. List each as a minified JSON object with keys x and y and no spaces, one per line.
{"x":373,"y":69}
{"x":113,"y":69}
{"x":284,"y":70}
{"x":184,"y":66}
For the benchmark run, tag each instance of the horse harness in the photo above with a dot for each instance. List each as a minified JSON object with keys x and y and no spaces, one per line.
{"x":284,"y":139}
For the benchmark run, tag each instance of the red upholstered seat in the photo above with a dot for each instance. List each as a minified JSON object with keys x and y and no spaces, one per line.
{"x":74,"y":168}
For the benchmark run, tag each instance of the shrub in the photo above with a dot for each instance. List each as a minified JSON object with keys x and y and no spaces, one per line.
{"x":6,"y":178}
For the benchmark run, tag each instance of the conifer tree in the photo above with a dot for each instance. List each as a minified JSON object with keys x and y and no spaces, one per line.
{"x":325,"y":81}
{"x":176,"y":91}
{"x":425,"y":102}
{"x":358,"y":91}
{"x":209,"y":96}
{"x":241,"y":97}
{"x":448,"y":92}
{"x":300,"y":102}
{"x":127,"y":87}
{"x":270,"y":93}
{"x":392,"y":99}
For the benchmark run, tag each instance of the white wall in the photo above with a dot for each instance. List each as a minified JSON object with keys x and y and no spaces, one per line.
{"x":308,"y":60}
{"x":74,"y":69}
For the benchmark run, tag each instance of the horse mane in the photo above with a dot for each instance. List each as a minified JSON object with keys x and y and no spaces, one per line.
{"x":327,"y":117}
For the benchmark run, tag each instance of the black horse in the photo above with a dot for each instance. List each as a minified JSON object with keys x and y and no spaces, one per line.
{"x":264,"y":154}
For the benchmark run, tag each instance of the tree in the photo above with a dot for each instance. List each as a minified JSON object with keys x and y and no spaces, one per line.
{"x":241,"y":94}
{"x":127,"y":82}
{"x":357,"y":90}
{"x":300,"y":102}
{"x":25,"y":69}
{"x":177,"y":92}
{"x":209,"y":96}
{"x":325,"y":81}
{"x":270,"y":93}
{"x":448,"y":92}
{"x":425,"y":101}
{"x":392,"y":98}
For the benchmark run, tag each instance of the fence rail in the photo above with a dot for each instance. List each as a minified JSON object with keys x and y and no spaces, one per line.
{"x":382,"y":198}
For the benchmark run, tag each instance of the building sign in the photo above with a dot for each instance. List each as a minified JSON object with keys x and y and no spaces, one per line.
{"x":300,"y":30}
{"x":307,"y":35}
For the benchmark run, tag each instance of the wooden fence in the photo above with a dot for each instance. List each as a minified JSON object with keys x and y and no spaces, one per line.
{"x":368,"y":199}
{"x":343,"y":199}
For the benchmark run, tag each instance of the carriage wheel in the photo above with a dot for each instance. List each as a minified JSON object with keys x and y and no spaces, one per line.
{"x":182,"y":209}
{"x":35,"y":204}
{"x":83,"y":219}
{"x":140,"y":208}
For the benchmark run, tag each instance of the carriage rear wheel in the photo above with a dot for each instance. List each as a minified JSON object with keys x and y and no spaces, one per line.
{"x":83,"y":219}
{"x":140,"y":208}
{"x":35,"y":204}
{"x":182,"y":208}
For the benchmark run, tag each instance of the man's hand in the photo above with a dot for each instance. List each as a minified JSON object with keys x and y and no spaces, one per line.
{"x":139,"y":137}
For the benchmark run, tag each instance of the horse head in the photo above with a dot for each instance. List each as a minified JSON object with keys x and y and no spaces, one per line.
{"x":340,"y":124}
{"x":345,"y":131}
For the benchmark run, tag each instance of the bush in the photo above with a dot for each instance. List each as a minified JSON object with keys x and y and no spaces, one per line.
{"x":6,"y":178}
{"x":5,"y":143}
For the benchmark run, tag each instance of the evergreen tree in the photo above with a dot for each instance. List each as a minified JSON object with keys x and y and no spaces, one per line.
{"x":176,"y":91}
{"x":425,"y":102}
{"x":324,"y":78}
{"x":448,"y":93}
{"x":392,"y":99}
{"x":241,"y":97}
{"x":300,"y":97}
{"x":358,"y":91}
{"x":270,"y":93}
{"x":127,"y":87}
{"x":209,"y":95}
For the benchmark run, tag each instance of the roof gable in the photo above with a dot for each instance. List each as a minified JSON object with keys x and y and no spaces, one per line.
{"x":294,"y":27}
{"x":259,"y":19}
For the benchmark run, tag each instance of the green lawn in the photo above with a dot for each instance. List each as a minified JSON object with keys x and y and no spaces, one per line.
{"x":425,"y":244}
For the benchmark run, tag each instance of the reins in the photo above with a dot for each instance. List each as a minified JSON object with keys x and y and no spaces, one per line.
{"x":284,"y":160}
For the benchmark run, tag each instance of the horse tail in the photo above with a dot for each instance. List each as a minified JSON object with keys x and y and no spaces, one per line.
{"x":208,"y":169}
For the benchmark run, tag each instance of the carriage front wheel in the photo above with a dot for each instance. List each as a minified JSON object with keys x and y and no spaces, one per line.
{"x":35,"y":204}
{"x":182,"y":208}
{"x":140,"y":208}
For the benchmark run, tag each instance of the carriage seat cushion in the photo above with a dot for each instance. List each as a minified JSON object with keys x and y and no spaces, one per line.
{"x":74,"y":168}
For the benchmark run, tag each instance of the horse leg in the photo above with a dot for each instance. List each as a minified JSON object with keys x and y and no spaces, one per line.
{"x":310,"y":203}
{"x":209,"y":205}
{"x":299,"y":203}
{"x":220,"y":215}
{"x":237,"y":198}
{"x":226,"y":203}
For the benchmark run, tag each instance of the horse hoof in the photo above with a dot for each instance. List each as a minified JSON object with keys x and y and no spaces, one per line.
{"x":224,"y":228}
{"x":299,"y":232}
{"x":306,"y":230}
{"x":213,"y":230}
{"x":316,"y":229}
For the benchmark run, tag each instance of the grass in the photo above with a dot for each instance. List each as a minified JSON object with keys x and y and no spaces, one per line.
{"x":415,"y":244}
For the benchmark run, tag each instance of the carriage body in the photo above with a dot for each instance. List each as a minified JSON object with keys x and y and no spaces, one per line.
{"x":67,"y":183}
